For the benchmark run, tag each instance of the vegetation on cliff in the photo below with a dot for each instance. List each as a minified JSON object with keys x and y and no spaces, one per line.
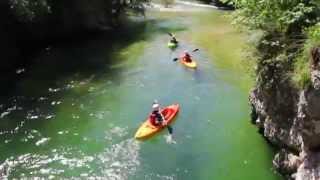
{"x":304,"y":62}
{"x":285,"y":43}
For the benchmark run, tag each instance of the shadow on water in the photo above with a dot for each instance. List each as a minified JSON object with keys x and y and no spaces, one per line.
{"x":56,"y":69}
{"x":31,"y":104}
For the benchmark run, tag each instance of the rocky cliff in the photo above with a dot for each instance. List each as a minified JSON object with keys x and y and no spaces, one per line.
{"x":289,"y":118}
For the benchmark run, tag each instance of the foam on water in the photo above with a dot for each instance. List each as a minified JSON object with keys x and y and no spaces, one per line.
{"x":159,"y":177}
{"x":169,"y":139}
{"x":120,"y":160}
{"x":116,"y":132}
{"x":35,"y":165}
{"x":42,"y":141}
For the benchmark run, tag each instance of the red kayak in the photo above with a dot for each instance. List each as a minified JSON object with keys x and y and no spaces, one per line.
{"x":147,"y":129}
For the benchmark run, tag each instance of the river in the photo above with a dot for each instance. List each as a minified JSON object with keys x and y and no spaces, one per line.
{"x":74,"y":111}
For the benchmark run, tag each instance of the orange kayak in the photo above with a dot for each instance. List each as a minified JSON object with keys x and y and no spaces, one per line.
{"x":147,"y":129}
{"x":192,"y":64}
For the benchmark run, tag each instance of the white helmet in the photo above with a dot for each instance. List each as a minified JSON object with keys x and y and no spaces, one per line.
{"x":155,"y":106}
{"x":185,"y":51}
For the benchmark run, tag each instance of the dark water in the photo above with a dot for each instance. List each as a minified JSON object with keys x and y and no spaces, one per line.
{"x":74,"y":112}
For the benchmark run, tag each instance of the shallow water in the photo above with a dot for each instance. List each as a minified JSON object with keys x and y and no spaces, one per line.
{"x":74,"y":112}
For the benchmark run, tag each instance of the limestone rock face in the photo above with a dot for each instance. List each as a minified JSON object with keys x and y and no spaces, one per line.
{"x":281,"y":129}
{"x":286,"y":162}
{"x":315,"y":78}
{"x":292,"y":123}
{"x":309,"y":117}
{"x":310,"y":168}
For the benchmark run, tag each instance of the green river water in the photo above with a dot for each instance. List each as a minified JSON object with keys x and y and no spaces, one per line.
{"x":74,"y":112}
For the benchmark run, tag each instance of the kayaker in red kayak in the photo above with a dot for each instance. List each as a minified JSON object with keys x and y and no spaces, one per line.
{"x":186,"y":57}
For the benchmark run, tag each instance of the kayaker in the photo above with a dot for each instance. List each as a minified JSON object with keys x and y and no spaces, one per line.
{"x":156,"y":117}
{"x":173,"y":40}
{"x":186,"y":56}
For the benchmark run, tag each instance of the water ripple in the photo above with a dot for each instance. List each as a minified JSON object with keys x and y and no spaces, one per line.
{"x":120,"y":160}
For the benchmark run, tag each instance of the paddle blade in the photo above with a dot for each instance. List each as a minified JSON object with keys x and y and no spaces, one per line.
{"x":175,"y":59}
{"x":170,"y":34}
{"x":170,"y":129}
{"x":195,"y":50}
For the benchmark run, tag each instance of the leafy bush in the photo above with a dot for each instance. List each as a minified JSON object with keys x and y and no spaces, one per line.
{"x":285,"y":47}
{"x":301,"y":75}
{"x":273,"y":15}
{"x":27,"y":10}
{"x":35,"y":10}
{"x":314,"y":34}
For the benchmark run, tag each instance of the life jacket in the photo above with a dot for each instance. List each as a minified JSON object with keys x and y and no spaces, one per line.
{"x":154,"y":117}
{"x":186,"y":57}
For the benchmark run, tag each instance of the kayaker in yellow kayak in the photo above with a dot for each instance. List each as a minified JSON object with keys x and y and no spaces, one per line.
{"x":157,"y":118}
{"x":186,"y":57}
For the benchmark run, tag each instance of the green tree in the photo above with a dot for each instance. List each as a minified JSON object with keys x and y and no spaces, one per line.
{"x":276,"y":15}
{"x":37,"y":10}
{"x":283,"y":23}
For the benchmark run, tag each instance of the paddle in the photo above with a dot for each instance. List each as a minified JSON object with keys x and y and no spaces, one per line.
{"x":176,"y":59}
{"x":170,"y":129}
{"x":173,"y":40}
{"x":170,"y":34}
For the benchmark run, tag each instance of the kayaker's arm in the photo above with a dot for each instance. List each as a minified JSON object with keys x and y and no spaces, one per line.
{"x":162,"y":116}
{"x":163,"y":120}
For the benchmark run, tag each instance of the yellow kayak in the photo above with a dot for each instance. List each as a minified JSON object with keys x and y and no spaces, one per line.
{"x":192,"y":64}
{"x":147,"y":129}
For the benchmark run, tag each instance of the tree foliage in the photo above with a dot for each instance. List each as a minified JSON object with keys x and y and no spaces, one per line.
{"x":314,"y":34}
{"x":27,"y":10}
{"x":304,"y":62}
{"x":36,"y":10}
{"x":284,"y":48}
{"x":276,"y":15}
